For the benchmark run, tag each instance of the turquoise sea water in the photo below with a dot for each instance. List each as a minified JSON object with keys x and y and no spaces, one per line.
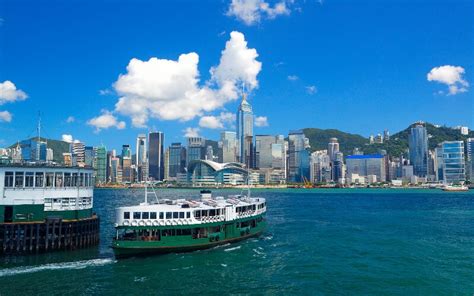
{"x":318,"y":242}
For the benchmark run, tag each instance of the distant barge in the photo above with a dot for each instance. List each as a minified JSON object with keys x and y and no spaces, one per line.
{"x":45,"y":208}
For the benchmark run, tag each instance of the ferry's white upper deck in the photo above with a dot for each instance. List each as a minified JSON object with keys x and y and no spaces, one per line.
{"x":182,"y":211}
{"x":57,"y":187}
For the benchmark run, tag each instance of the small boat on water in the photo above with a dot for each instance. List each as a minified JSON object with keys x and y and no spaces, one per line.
{"x":455,"y":188}
{"x":168,"y":226}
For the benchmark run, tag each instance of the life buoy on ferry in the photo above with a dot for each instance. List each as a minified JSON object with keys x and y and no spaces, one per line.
{"x":162,"y":223}
{"x":156,"y":223}
{"x":222,"y":217}
{"x":126,"y":223}
{"x":134,"y":223}
{"x":180,"y":222}
{"x":168,"y":222}
{"x":148,"y":223}
{"x":141,"y":223}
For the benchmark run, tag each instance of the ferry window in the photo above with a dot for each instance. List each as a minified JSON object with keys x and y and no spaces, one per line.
{"x":204,"y":213}
{"x":126,"y":215}
{"x":161,"y":215}
{"x":29,"y":179}
{"x":181,"y":215}
{"x":253,"y":207}
{"x":188,"y":215}
{"x":212,"y":212}
{"x":197,"y":214}
{"x":19,"y":179}
{"x":59,"y":180}
{"x":136,"y":215}
{"x":74,"y":179}
{"x":39,"y":180}
{"x":168,"y":215}
{"x":145,"y":215}
{"x":175,"y":215}
{"x":152,"y":215}
{"x":8,"y":179}
{"x":49,"y":179}
{"x":67,"y":179}
{"x":81,"y":179}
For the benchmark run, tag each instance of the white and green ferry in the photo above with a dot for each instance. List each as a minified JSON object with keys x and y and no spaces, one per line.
{"x":181,"y":225}
{"x":46,"y":207}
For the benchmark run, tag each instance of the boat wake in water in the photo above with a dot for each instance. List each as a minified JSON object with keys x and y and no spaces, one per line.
{"x":56,"y":266}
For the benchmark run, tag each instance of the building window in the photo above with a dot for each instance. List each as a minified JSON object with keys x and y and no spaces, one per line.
{"x":19,"y":179}
{"x":39,"y":181}
{"x":126,"y":215}
{"x":29,"y":179}
{"x":8,"y":179}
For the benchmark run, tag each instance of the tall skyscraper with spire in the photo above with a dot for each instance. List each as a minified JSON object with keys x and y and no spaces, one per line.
{"x":245,"y":132}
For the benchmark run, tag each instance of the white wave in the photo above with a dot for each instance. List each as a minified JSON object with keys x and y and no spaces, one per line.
{"x":223,"y":265}
{"x":232,"y":249}
{"x":55,"y":266}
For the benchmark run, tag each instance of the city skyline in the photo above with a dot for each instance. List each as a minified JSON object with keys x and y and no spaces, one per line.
{"x":412,"y":75}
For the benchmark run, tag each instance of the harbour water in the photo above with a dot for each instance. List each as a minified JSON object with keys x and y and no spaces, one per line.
{"x":348,"y":241}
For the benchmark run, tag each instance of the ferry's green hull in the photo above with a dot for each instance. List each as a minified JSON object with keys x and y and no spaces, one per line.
{"x":229,"y":233}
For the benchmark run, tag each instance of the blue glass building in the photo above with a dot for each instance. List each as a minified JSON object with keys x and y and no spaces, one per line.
{"x":418,"y":147}
{"x":454,"y":170}
{"x":298,"y":157}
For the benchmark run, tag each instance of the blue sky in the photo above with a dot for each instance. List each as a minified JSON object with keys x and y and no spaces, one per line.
{"x":360,"y":68}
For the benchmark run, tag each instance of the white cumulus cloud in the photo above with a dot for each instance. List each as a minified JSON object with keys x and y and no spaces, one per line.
{"x":106,"y":120}
{"x":9,"y":93}
{"x":452,"y":76}
{"x":190,"y":132}
{"x":171,"y":89}
{"x":67,"y":138}
{"x":217,"y":122}
{"x":261,"y":121}
{"x":5,"y":116}
{"x":252,"y":11}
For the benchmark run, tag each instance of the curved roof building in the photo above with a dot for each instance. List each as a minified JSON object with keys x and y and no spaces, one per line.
{"x":207,"y":172}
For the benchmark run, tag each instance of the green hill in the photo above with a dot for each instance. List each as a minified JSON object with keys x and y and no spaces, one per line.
{"x":58,"y":147}
{"x":319,"y":139}
{"x":398,"y":143}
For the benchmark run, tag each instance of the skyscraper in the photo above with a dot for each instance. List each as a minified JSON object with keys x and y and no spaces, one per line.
{"x":196,"y":149}
{"x":228,"y":147}
{"x":333,"y":148}
{"x":245,"y":132}
{"x":298,"y":156}
{"x":177,"y":160}
{"x":141,"y":158}
{"x":126,"y":163}
{"x":100,"y":165}
{"x":156,"y":160}
{"x":418,"y":146}
{"x":454,"y":170}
